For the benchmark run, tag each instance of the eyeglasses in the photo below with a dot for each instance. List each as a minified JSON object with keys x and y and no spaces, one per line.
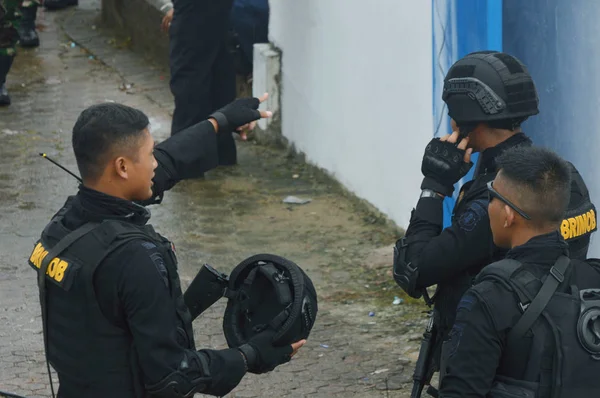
{"x":492,"y":193}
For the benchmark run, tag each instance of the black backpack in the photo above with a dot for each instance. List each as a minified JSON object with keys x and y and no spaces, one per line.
{"x":561,"y":327}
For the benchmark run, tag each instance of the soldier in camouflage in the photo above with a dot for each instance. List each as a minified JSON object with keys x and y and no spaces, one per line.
{"x":27,"y":34}
{"x":9,"y":36}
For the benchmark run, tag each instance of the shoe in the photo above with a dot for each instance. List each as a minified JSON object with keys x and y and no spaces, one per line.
{"x":59,"y":4}
{"x":27,"y":34}
{"x":4,"y":98}
{"x":5,"y":64}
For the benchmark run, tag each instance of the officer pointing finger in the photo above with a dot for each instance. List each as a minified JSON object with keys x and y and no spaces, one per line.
{"x":114,"y":317}
{"x":193,"y":151}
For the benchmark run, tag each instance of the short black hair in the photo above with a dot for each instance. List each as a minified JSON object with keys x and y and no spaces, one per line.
{"x":541,"y":180}
{"x":102,"y":128}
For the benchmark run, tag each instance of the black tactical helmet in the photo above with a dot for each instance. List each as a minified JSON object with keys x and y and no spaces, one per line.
{"x":489,"y":86}
{"x":269,"y":292}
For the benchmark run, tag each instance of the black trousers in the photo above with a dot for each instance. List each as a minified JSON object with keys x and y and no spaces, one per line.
{"x":202,"y":68}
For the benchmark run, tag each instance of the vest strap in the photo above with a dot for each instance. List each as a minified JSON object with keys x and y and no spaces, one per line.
{"x":540,"y":301}
{"x":61,"y":246}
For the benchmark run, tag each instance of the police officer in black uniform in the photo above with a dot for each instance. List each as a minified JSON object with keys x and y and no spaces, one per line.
{"x":488,"y":94}
{"x":115,"y":323}
{"x":202,"y":68}
{"x":518,"y":331}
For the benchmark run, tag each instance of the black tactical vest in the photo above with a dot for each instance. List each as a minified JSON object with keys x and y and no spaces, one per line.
{"x":576,"y":228}
{"x":85,"y":348}
{"x":550,"y":359}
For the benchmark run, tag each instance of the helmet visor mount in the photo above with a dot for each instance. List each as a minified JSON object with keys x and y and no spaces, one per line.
{"x":489,"y":102}
{"x":475,"y":89}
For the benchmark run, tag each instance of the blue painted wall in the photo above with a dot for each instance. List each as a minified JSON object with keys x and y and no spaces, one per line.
{"x":460,"y":27}
{"x":559,"y":41}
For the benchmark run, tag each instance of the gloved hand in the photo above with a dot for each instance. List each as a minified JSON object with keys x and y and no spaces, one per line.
{"x":239,"y":113}
{"x":444,"y":165}
{"x":262,"y":356}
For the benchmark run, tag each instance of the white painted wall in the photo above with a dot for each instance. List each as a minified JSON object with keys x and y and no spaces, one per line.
{"x":356,"y":94}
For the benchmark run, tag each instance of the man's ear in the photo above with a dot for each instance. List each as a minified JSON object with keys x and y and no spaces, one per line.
{"x":509,"y":215}
{"x":121,"y":169}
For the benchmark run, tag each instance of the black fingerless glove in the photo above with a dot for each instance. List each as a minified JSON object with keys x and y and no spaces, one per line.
{"x":443,"y":166}
{"x":236,"y":114}
{"x":262,"y":356}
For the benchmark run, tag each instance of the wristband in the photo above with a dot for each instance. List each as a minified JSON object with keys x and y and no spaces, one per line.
{"x":222,"y":122}
{"x":429,"y":193}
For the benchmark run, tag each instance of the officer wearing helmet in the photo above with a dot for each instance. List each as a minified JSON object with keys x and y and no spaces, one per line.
{"x":489,"y":95}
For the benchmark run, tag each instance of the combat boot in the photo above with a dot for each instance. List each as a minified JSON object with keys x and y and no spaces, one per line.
{"x":27,"y":34}
{"x":5,"y":63}
{"x":59,"y":4}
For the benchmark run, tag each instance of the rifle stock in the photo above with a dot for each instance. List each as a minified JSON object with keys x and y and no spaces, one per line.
{"x":206,"y":289}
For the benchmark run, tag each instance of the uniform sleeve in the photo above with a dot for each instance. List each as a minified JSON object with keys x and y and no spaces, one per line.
{"x":441,"y":254}
{"x":186,"y":154}
{"x":151,"y":317}
{"x":473,"y":349}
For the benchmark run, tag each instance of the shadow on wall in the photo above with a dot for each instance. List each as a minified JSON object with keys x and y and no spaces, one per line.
{"x":557,"y":40}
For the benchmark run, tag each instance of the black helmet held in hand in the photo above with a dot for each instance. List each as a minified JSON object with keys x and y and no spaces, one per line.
{"x":268,"y":292}
{"x":490,"y":86}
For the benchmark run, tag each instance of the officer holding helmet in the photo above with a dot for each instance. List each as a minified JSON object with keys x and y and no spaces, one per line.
{"x":115,"y":320}
{"x":489,"y":95}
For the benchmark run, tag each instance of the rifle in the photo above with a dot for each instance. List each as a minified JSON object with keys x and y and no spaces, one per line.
{"x":424,"y":369}
{"x":206,"y":289}
{"x":10,"y":395}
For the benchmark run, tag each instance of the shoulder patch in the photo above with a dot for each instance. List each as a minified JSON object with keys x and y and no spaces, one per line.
{"x":451,"y":345}
{"x":61,"y":271}
{"x":157,"y":260}
{"x":472,"y":215}
{"x":466,"y":302}
{"x":579,"y":222}
{"x":148,"y":245}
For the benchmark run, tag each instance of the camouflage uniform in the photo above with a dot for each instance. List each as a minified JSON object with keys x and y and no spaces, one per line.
{"x":31,"y":3}
{"x":9,"y":22}
{"x":10,"y":18}
{"x":27,"y":33}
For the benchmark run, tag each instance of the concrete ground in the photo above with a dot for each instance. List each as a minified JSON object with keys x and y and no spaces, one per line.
{"x":362,"y":345}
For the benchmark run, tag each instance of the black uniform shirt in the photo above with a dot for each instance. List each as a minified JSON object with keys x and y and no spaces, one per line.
{"x":133,"y":293}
